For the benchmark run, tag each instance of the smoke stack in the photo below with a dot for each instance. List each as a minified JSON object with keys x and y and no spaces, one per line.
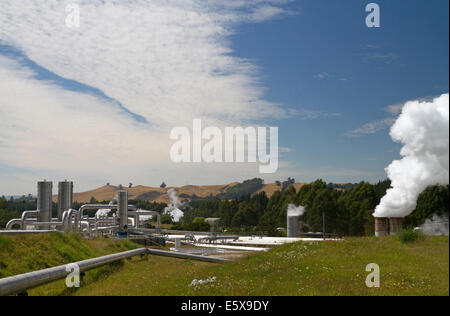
{"x":395,"y":225}
{"x":381,"y":226}
{"x":44,"y":202}
{"x":65,"y":197}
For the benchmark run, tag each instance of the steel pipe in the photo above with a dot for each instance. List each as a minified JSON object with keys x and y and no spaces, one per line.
{"x":20,"y":283}
{"x":23,"y":282}
{"x":25,"y":216}
{"x":138,"y":213}
{"x":13,"y":222}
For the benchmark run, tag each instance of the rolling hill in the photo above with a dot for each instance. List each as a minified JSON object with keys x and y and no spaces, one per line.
{"x":160,"y":195}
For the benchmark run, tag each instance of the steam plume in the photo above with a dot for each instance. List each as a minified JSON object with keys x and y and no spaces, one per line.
{"x":436,"y":226}
{"x":295,"y":210}
{"x":423,"y":129}
{"x":173,"y":209}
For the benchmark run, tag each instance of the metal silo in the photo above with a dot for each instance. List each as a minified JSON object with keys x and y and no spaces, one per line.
{"x":65,"y":197}
{"x":44,"y":203}
{"x":381,"y":226}
{"x":395,"y":225}
{"x":292,"y":226}
{"x":122,"y":205}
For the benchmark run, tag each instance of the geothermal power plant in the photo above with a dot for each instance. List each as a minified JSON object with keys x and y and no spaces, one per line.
{"x":122,"y":220}
{"x":126,"y":220}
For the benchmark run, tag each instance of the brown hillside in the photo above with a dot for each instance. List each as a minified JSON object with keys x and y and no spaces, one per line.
{"x":107,"y":193}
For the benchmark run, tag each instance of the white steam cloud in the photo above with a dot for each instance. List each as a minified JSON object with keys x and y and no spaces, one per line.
{"x":423,"y":129}
{"x":173,"y":209}
{"x":295,"y":210}
{"x":436,"y":226}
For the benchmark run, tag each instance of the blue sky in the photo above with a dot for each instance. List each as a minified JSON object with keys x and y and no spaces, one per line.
{"x":316,"y":57}
{"x":365,"y":70}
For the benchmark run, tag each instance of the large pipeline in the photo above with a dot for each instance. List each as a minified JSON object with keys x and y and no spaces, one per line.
{"x":23,"y":282}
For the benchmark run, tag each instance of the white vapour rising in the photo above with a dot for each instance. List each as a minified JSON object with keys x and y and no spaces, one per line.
{"x":423,"y":129}
{"x":295,"y":210}
{"x":436,"y":226}
{"x":173,"y":209}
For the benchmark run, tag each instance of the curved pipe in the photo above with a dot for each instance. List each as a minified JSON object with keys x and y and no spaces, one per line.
{"x":13,"y":222}
{"x":99,"y":206}
{"x":67,"y":220}
{"x":25,"y":216}
{"x":138,"y":213}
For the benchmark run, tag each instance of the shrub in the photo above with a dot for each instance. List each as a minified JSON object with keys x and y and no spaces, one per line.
{"x":410,"y":235}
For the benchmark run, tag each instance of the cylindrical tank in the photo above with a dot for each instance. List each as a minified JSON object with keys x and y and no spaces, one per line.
{"x":381,"y":226}
{"x":292,"y":226}
{"x":65,"y":197}
{"x":122,"y":206}
{"x":395,"y":225}
{"x":44,"y":202}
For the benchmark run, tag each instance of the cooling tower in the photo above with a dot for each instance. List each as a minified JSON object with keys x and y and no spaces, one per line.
{"x":122,"y":205}
{"x":381,"y":226}
{"x":292,"y":226}
{"x":65,"y":197}
{"x":44,"y":202}
{"x":395,"y":225}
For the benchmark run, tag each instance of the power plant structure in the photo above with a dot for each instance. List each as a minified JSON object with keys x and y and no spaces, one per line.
{"x":127,"y":219}
{"x":387,"y":226}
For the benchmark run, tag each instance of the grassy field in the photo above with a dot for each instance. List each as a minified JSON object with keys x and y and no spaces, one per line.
{"x":331,"y":268}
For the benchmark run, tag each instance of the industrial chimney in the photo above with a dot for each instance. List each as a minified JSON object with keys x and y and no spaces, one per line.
{"x":292,"y":226}
{"x":387,"y":226}
{"x":395,"y":225}
{"x":381,"y":226}
{"x":122,"y":204}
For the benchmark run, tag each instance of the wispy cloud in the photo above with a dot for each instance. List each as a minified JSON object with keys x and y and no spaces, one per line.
{"x":322,"y":75}
{"x":374,"y":127}
{"x":157,"y":58}
{"x":371,"y":127}
{"x":376,"y":53}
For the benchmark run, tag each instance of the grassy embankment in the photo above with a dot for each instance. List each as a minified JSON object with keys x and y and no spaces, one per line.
{"x":331,"y":268}
{"x":26,"y":253}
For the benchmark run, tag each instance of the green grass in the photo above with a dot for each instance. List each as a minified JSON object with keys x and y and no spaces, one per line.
{"x":331,"y":268}
{"x":410,"y":235}
{"x":26,"y":253}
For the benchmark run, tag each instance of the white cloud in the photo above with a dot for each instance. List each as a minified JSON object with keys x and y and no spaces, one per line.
{"x":168,"y":61}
